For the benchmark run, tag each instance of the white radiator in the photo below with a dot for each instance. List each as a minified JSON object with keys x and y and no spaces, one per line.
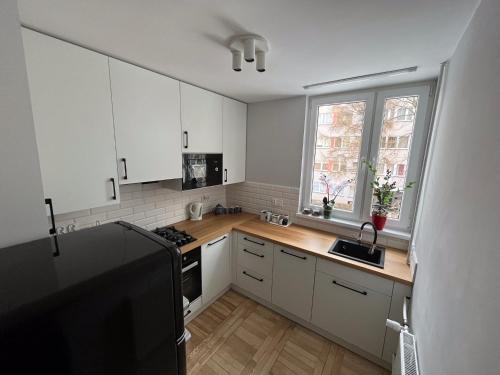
{"x":405,"y":361}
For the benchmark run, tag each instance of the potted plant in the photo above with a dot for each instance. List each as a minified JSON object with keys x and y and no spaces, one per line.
{"x":385,"y":193}
{"x":328,"y":203}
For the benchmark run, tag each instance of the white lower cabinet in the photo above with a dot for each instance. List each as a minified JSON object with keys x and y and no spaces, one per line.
{"x":293,"y":281}
{"x":352,"y":312}
{"x":215,"y":267}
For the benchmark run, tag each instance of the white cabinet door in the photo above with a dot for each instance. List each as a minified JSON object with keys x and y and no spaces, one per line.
{"x":72,"y":111}
{"x":352,"y":312}
{"x":293,"y":281}
{"x":146,"y":111}
{"x":215,"y":267}
{"x":234,"y":140}
{"x":201,"y":116}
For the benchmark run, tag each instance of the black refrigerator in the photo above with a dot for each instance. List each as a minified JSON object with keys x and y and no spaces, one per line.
{"x":105,"y":300}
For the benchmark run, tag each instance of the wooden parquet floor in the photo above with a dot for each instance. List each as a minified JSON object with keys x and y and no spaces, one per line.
{"x":236,"y":335}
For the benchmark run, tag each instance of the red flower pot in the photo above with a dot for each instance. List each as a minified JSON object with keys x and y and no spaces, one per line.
{"x":379,"y":221}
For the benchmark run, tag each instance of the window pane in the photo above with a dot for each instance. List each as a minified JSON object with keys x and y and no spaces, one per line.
{"x":340,"y":159}
{"x":398,"y":129}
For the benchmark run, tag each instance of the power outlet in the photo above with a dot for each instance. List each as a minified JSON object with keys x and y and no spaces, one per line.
{"x":278,"y":202}
{"x":205,"y":198}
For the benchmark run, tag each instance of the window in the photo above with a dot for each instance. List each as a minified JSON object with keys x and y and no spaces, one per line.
{"x":403,"y":141}
{"x":387,"y":127}
{"x":337,"y":142}
{"x":325,"y":118}
{"x":400,"y":170}
{"x":350,"y":117}
{"x":391,"y":142}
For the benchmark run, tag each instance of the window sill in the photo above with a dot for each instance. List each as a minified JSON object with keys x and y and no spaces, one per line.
{"x":392,"y":233}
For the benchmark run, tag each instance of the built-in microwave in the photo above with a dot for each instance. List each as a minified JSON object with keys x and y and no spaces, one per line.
{"x":200,"y":170}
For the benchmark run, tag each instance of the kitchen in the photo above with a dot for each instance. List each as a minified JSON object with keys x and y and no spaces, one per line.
{"x":203,"y":172}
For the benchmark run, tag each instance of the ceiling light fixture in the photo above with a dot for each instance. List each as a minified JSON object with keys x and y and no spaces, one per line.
{"x":365,"y":77}
{"x":254,"y":47}
{"x":236,"y":60}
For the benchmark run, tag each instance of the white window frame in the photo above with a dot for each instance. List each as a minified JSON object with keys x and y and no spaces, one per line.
{"x":310,"y":142}
{"x":375,"y":100}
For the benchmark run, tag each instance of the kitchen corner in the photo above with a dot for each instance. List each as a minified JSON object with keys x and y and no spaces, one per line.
{"x":308,"y":240}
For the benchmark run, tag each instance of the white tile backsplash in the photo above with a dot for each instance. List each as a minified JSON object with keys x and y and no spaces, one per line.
{"x":254,"y":197}
{"x":146,"y":205}
{"x":153,"y":205}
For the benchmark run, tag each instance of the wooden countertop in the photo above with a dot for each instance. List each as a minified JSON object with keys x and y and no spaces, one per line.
{"x":210,"y":227}
{"x":305,"y":239}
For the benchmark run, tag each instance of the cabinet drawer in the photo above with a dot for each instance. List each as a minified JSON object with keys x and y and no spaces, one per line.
{"x":256,"y":243}
{"x":254,"y":282}
{"x":362,"y":278}
{"x":260,"y":260}
{"x":351,"y":312}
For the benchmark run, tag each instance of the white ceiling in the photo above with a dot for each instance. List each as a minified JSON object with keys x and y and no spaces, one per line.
{"x":311,"y":40}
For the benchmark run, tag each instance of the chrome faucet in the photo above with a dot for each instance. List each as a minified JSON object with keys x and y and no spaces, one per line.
{"x":360,"y":236}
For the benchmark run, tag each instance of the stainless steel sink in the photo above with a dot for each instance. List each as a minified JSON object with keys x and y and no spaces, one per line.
{"x":359,"y":252}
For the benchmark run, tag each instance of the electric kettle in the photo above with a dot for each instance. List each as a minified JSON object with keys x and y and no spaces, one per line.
{"x":195,"y":210}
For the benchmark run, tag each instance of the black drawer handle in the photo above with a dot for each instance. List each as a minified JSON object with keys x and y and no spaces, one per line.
{"x":52,"y":220}
{"x":253,"y":277}
{"x":225,"y":175}
{"x":125,"y":176}
{"x":250,"y":252}
{"x":296,"y":256}
{"x":186,"y":138}
{"x":114,"y":188}
{"x":255,"y":242}
{"x":219,"y":240}
{"x":354,"y":290}
{"x":187,"y":313}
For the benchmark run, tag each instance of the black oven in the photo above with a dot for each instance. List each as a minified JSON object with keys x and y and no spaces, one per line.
{"x":191,"y":274}
{"x":200,"y":170}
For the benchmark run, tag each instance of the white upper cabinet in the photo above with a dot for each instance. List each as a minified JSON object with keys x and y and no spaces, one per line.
{"x":71,"y":100}
{"x":234,"y":140}
{"x":201,"y":116}
{"x":146,"y":110}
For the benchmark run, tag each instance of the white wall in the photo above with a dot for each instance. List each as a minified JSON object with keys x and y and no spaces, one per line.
{"x":456,"y":302}
{"x":275,"y":130}
{"x":22,"y":211}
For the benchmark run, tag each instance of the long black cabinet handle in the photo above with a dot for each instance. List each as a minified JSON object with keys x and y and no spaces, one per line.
{"x":52,"y":220}
{"x":293,"y":255}
{"x":225,"y":175}
{"x":354,"y":290}
{"x":186,"y":139}
{"x":125,"y":176}
{"x":187,"y":313}
{"x":251,"y":252}
{"x":253,"y":277}
{"x":114,"y":188}
{"x":219,"y":240}
{"x":255,"y":242}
